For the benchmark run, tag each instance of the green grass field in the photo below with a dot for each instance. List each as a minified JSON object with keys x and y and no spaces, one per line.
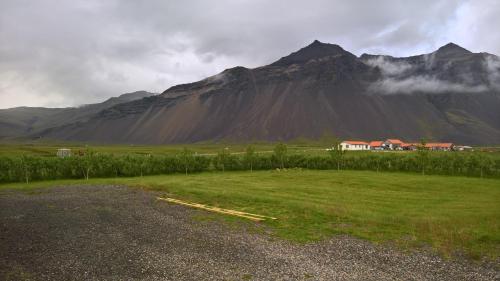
{"x":449,"y":214}
{"x":301,"y":146}
{"x":49,"y":149}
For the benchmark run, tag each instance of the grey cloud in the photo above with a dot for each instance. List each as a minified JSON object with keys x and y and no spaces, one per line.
{"x":492,"y":64}
{"x":398,"y":77}
{"x":422,"y":83}
{"x":389,"y":68}
{"x":59,"y":53}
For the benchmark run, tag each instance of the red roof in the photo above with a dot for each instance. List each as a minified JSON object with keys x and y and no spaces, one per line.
{"x":410,"y":144}
{"x":394,"y":141}
{"x":438,"y":144}
{"x":376,"y":143}
{"x":356,"y":142}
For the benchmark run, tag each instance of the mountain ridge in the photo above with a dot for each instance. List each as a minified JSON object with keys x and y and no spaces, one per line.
{"x":446,"y":95}
{"x":23,"y":121}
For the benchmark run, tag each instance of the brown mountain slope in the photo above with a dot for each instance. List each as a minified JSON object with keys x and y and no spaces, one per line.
{"x":449,"y":95}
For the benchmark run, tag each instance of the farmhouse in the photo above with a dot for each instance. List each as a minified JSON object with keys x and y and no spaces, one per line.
{"x":377,"y":145}
{"x":410,"y":146}
{"x":354,"y":145}
{"x":393,"y":144}
{"x":439,"y":146}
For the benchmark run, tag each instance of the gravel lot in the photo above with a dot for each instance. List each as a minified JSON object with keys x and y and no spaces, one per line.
{"x":119,"y":233}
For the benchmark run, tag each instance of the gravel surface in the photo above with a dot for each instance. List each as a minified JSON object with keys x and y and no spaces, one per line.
{"x":119,"y":233}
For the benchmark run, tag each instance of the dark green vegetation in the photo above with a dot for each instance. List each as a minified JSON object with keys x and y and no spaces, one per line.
{"x":450,"y":214}
{"x":94,"y":164}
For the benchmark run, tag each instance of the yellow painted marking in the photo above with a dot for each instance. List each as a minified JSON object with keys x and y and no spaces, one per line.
{"x":246,"y":215}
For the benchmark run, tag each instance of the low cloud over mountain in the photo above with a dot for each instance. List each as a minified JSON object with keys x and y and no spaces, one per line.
{"x":449,"y":69}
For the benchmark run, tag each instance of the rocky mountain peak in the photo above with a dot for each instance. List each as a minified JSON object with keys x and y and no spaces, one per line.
{"x":315,"y":50}
{"x":452,"y":49}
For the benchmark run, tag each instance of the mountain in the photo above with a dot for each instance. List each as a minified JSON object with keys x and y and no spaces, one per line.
{"x":451,"y":94}
{"x":21,"y":121}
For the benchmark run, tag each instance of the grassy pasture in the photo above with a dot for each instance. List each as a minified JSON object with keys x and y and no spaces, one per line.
{"x":298,"y":146}
{"x":49,"y":149}
{"x":449,"y":214}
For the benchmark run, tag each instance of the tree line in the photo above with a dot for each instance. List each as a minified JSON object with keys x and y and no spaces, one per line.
{"x":27,"y":168}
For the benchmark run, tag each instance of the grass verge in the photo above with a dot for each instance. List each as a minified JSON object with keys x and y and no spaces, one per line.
{"x":450,"y":214}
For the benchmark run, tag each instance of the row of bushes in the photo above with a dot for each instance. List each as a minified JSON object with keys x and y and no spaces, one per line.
{"x":29,"y":168}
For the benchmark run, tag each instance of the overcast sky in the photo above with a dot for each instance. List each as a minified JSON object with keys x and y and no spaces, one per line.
{"x":66,"y":53}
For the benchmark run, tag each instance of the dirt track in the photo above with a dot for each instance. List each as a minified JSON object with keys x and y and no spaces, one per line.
{"x":117,"y":233}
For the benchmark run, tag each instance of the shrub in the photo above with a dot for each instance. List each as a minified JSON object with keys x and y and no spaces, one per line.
{"x":29,"y":168}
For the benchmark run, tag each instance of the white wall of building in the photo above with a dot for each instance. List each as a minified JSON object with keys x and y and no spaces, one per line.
{"x":348,"y":146}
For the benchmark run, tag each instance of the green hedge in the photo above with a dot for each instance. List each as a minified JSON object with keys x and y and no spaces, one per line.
{"x":91,"y":165}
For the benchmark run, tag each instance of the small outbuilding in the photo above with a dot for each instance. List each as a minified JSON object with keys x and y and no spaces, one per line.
{"x":463,"y":148}
{"x":63,"y":152}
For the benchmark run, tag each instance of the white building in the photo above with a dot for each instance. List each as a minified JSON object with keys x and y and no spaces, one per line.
{"x":463,"y":148}
{"x":63,"y":152}
{"x":354,"y":145}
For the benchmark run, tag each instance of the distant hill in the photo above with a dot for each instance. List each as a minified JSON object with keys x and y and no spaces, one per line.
{"x":22,"y":121}
{"x":451,"y":94}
